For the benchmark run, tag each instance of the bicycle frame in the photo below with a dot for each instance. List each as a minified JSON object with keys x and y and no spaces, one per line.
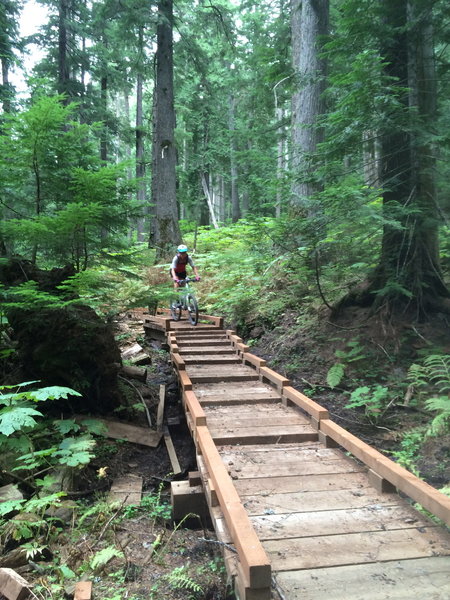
{"x":187,"y":301}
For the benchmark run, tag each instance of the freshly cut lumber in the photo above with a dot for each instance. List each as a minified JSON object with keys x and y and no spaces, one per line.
{"x":305,"y":403}
{"x":83,"y":590}
{"x":126,"y":489}
{"x":131,"y":433}
{"x":414,"y":579}
{"x":12,"y":585}
{"x":253,"y":558}
{"x":357,"y":548}
{"x":132,"y":351}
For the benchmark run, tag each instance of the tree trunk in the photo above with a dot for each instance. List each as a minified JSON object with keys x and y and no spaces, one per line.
{"x":236,"y":211}
{"x":309,"y":21}
{"x":140,"y":162}
{"x":409,"y":274}
{"x":63,"y":69}
{"x":165,"y":233}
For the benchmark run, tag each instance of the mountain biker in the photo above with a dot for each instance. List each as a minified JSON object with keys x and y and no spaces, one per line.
{"x":179,"y":263}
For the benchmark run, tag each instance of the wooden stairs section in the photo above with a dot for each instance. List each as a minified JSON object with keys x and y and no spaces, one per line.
{"x":313,"y":512}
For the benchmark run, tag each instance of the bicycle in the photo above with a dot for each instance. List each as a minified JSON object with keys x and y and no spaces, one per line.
{"x":187,"y":301}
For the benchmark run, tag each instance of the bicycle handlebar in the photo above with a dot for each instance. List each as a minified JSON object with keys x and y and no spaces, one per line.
{"x":186,"y":280}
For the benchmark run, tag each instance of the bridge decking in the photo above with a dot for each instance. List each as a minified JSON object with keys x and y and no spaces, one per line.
{"x":308,"y":521}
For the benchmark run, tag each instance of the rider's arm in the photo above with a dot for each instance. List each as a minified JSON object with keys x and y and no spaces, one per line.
{"x":172,"y":268}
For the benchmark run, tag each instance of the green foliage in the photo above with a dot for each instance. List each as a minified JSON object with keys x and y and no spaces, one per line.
{"x":102,"y":557}
{"x":433,"y":376}
{"x":355,"y":352}
{"x":180,"y":580}
{"x":374,"y":399}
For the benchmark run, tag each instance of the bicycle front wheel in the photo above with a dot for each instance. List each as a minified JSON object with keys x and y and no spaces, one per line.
{"x":175,"y":310}
{"x":192,"y":309}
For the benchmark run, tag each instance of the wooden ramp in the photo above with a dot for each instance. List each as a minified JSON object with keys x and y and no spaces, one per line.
{"x":313,"y":512}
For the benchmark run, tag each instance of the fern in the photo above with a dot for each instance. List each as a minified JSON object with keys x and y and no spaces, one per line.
{"x":103,"y":557}
{"x":335,"y":375}
{"x":438,"y":366}
{"x":179,"y":579}
{"x":441,"y":404}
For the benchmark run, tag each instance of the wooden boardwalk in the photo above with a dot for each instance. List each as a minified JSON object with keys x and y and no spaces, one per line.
{"x":307,"y":520}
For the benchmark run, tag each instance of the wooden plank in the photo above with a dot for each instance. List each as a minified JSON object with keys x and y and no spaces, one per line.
{"x":274,"y":455}
{"x":83,"y":590}
{"x":357,"y":548}
{"x":178,"y":361}
{"x":210,"y":359}
{"x":415,"y":579}
{"x":160,"y":413}
{"x":255,"y":563}
{"x":185,"y":381}
{"x":12,"y":585}
{"x":332,"y":522}
{"x":305,"y":403}
{"x":302,"y":483}
{"x":209,"y":349}
{"x":297,"y":468}
{"x":131,"y":433}
{"x":318,"y":501}
{"x":262,"y":435}
{"x":278,"y":380}
{"x":232,"y":393}
{"x":249,"y":358}
{"x":194,"y":407}
{"x":436,"y":502}
{"x":217,"y":421}
{"x":241,"y":348}
{"x":126,"y":489}
{"x":208,"y":374}
{"x":176,"y":469}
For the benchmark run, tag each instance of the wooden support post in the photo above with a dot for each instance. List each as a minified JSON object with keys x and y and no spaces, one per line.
{"x":383,"y":486}
{"x":327,"y":441}
{"x":187,"y":499}
{"x":186,"y":383}
{"x":267,"y":375}
{"x":252,"y":359}
{"x":178,"y":362}
{"x":194,"y":407}
{"x":194,"y":478}
{"x":305,"y":403}
{"x":211,"y":494}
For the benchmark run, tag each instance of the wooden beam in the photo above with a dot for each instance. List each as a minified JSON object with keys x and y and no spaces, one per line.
{"x":176,"y":469}
{"x":131,"y":433}
{"x":248,"y":358}
{"x":255,"y":563}
{"x":305,"y":403}
{"x":126,"y":489}
{"x":266,"y":374}
{"x":160,"y":413}
{"x":427,"y":496}
{"x":194,"y":407}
